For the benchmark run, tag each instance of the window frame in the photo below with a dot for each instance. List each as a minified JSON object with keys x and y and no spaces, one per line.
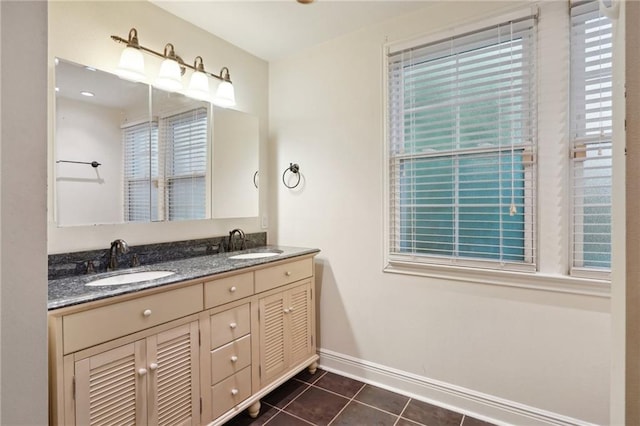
{"x":160,"y":179}
{"x":580,"y":146}
{"x":167,"y":173}
{"x":392,"y":164}
{"x":150,"y":127}
{"x":552,"y":227}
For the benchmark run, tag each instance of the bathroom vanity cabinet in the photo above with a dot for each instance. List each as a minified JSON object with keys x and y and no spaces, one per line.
{"x":187,"y":353}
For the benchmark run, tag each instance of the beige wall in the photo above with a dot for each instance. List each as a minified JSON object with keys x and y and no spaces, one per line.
{"x":546,"y":350}
{"x":23,"y":273}
{"x":618,"y":276}
{"x":80,"y":32}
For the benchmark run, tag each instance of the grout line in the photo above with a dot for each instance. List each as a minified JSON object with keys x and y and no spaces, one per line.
{"x":299,"y":418}
{"x":280,"y":411}
{"x":321,"y":388}
{"x":348,"y":402}
{"x":297,"y":396}
{"x":402,"y":412}
{"x":272,"y":406}
{"x":318,"y":377}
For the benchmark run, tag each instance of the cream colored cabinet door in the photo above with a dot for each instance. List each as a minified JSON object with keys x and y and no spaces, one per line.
{"x":111,"y":387}
{"x":272,"y":337}
{"x":150,"y":381}
{"x":173,"y":376}
{"x":285,"y":331}
{"x":299,"y":319}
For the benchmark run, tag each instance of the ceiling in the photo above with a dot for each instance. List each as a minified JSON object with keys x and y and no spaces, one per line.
{"x":273,"y":29}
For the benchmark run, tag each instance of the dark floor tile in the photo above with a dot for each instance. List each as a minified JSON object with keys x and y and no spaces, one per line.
{"x":383,"y":399}
{"x":339,"y":384}
{"x":284,"y":394}
{"x":360,"y":414}
{"x":284,"y":419}
{"x":472,"y":421}
{"x":305,"y":376}
{"x":431,"y":415}
{"x":317,"y":406}
{"x":243,"y":419}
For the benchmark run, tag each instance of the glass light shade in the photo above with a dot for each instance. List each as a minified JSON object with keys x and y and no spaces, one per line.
{"x":199,"y":86}
{"x":170,"y":77}
{"x":131,"y":66}
{"x":225,"y":95}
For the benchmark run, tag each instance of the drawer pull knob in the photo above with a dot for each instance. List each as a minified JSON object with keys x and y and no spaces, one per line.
{"x":286,"y":310}
{"x":147,"y":313}
{"x":290,"y":308}
{"x":153,"y":366}
{"x":233,"y":325}
{"x":233,"y":289}
{"x":234,"y":358}
{"x":234,"y":392}
{"x":142,"y":371}
{"x":288,"y":273}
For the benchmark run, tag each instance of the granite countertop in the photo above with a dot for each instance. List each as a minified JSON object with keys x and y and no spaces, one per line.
{"x":73,"y":290}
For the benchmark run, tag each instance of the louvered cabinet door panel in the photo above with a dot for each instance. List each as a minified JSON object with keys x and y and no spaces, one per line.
{"x":299,"y":316}
{"x":172,"y":358}
{"x":109,"y":388}
{"x":272,"y":337}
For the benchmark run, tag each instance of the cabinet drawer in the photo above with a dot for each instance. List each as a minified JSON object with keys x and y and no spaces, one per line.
{"x":286,"y":273}
{"x":230,"y":392}
{"x":84,"y":329}
{"x":225,"y":290}
{"x":230,"y":325}
{"x":230,"y":358}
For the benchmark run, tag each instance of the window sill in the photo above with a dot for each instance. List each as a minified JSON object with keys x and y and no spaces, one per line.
{"x":528,"y":280}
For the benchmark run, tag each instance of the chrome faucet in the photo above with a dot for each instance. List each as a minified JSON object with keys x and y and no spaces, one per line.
{"x":118,"y":246}
{"x":231,"y":246}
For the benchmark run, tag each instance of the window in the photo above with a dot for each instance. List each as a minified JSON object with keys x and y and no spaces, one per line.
{"x":185,"y":142}
{"x":462,"y":146}
{"x":140,"y":168}
{"x":591,"y":138}
{"x":166,"y":167}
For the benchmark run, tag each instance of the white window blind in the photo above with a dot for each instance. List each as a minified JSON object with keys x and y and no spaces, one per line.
{"x":591,"y":131}
{"x":184,"y":138}
{"x":462,"y":120}
{"x":140,"y":144}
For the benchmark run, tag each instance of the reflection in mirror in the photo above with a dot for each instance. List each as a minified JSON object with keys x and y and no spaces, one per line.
{"x":91,"y":107}
{"x":166,"y":168}
{"x":154,"y":151}
{"x":235,"y":163}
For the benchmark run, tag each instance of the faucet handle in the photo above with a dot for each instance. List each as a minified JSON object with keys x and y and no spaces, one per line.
{"x":135,"y":261}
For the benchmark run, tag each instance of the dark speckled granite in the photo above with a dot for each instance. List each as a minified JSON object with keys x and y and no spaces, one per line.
{"x":71,"y":264}
{"x":73,"y":290}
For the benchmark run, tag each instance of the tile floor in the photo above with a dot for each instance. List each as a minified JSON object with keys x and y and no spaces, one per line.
{"x":329,"y":399}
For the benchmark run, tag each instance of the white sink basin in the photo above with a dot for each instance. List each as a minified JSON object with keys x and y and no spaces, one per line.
{"x":258,"y":255}
{"x":131,"y":277}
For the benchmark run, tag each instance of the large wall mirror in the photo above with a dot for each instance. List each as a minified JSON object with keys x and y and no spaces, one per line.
{"x":162,"y":156}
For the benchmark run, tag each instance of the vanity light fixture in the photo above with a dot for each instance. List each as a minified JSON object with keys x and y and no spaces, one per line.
{"x":199,"y":83}
{"x":170,"y":76}
{"x":131,"y":67}
{"x":225,"y":95}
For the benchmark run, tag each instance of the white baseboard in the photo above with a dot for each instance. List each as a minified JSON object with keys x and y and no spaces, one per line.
{"x":475,"y":404}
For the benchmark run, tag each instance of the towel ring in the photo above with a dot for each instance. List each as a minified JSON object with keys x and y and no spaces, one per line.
{"x":295,"y":169}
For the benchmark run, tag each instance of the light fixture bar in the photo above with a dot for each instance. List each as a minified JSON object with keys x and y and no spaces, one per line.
{"x":224,"y":76}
